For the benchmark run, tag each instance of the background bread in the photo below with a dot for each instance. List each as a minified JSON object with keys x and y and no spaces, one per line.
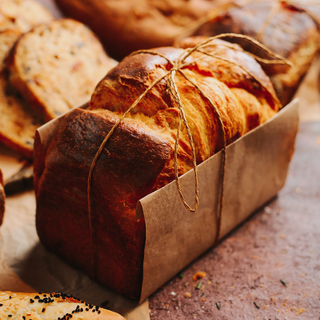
{"x":22,"y":14}
{"x":2,"y":198}
{"x":56,"y":66}
{"x":125,"y":26}
{"x":138,"y":158}
{"x":18,"y":122}
{"x":50,"y":306}
{"x":292,"y":33}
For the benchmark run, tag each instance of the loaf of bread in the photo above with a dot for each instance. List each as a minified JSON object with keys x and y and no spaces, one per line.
{"x":56,"y":66}
{"x":139,"y":157}
{"x":125,"y":26}
{"x":283,"y":28}
{"x":22,"y":15}
{"x":50,"y":306}
{"x":18,"y":122}
{"x":2,"y":198}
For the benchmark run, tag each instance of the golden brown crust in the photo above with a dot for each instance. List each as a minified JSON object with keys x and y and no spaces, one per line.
{"x":2,"y":199}
{"x":138,"y":158}
{"x":56,"y":66}
{"x":50,"y":306}
{"x":291,"y":33}
{"x":126,"y":26}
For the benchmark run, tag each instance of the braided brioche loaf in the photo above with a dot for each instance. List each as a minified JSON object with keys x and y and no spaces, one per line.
{"x":50,"y":306}
{"x":138,"y":158}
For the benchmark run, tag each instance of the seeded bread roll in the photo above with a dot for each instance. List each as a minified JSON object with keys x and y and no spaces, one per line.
{"x":139,"y":157}
{"x":57,"y":66}
{"x":18,"y":122}
{"x":290,"y":32}
{"x":22,"y":14}
{"x":2,"y":199}
{"x":50,"y":306}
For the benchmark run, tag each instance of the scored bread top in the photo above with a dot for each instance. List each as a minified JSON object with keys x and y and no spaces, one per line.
{"x":2,"y":198}
{"x":243,"y":102}
{"x":18,"y":122}
{"x":50,"y":306}
{"x":22,"y":14}
{"x":57,"y":66}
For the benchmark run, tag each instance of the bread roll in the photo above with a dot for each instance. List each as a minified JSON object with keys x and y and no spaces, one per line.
{"x":125,"y":26}
{"x":56,"y":66}
{"x":290,"y":32}
{"x":18,"y":122}
{"x":50,"y":306}
{"x":139,"y":157}
{"x":2,"y":199}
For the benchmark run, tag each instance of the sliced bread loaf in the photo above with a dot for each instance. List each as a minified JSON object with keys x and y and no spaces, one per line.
{"x":18,"y":122}
{"x":22,"y":14}
{"x":57,"y":66}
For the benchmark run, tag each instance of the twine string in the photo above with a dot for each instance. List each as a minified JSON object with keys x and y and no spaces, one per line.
{"x":169,"y":77}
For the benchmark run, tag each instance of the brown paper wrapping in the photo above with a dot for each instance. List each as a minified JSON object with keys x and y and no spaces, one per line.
{"x":257,"y":166}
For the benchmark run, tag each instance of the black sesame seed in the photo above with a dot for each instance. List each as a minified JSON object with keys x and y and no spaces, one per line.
{"x":44,"y":309}
{"x":31,"y":301}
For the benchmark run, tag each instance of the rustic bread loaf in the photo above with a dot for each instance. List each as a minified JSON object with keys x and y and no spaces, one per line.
{"x":2,"y":198}
{"x":22,"y":14}
{"x":18,"y":122}
{"x":57,"y":66}
{"x":138,"y":159}
{"x":282,"y":28}
{"x":125,"y":26}
{"x":50,"y":306}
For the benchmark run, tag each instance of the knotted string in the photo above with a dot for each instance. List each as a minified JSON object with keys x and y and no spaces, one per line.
{"x":177,"y":67}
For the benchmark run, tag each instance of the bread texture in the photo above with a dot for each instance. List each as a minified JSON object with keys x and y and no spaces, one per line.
{"x":125,"y":26}
{"x":22,"y":15}
{"x":139,"y":157}
{"x":50,"y":306}
{"x":291,"y":32}
{"x":18,"y":122}
{"x":56,"y":66}
{"x":2,"y":199}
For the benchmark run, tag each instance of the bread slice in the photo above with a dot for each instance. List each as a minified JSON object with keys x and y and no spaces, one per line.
{"x":2,"y":198}
{"x":18,"y":122}
{"x":57,"y":66}
{"x":22,"y":15}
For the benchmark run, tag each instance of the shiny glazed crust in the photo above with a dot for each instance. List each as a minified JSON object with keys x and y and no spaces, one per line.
{"x":56,"y":66}
{"x":138,"y":158}
{"x":50,"y":306}
{"x":2,"y":199}
{"x":291,"y":33}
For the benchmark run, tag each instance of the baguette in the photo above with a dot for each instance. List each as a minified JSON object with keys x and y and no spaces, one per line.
{"x":50,"y":306}
{"x":139,"y":157}
{"x":56,"y":66}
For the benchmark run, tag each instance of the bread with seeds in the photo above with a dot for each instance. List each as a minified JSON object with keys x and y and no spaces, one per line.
{"x":18,"y":122}
{"x":22,"y":15}
{"x":2,"y":198}
{"x":50,"y":306}
{"x":57,"y":66}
